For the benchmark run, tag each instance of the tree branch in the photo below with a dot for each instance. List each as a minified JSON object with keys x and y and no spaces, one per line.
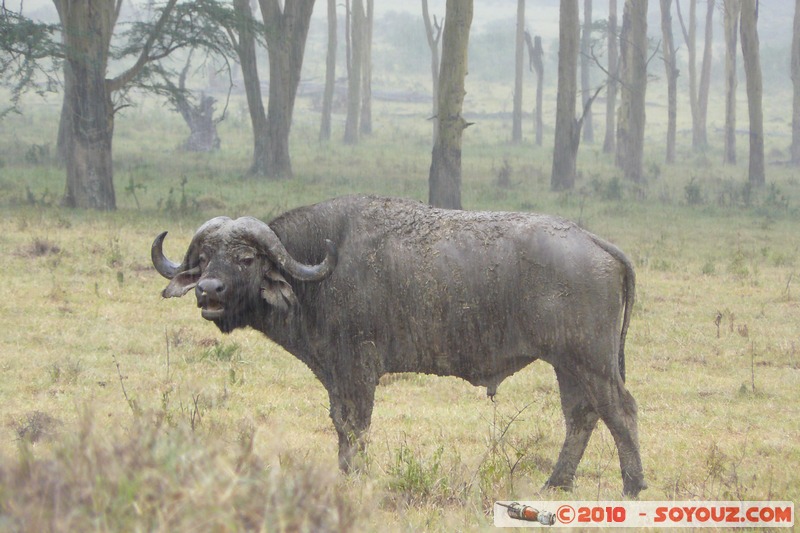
{"x":271,"y":13}
{"x":587,"y":107}
{"x":25,"y":49}
{"x":680,"y":19}
{"x":655,"y":51}
{"x":144,"y":57}
{"x":430,"y":34}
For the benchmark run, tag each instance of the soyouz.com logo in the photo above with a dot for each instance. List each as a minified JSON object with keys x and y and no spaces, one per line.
{"x":644,"y":514}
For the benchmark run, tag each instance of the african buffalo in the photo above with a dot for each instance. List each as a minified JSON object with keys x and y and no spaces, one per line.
{"x":359,"y":286}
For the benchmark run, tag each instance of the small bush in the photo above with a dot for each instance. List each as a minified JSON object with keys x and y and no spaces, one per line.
{"x":66,"y":371}
{"x":418,"y":481}
{"x":608,"y":190}
{"x":229,"y":352}
{"x":613,"y":189}
{"x":504,"y":175}
{"x":37,"y":426}
{"x":114,"y":258}
{"x":693,"y":192}
{"x":38,"y":154}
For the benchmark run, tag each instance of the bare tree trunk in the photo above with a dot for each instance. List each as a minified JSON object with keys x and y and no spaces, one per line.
{"x":519,"y":42}
{"x":586,"y":40}
{"x":246,"y":50}
{"x":567,"y":133}
{"x":705,"y":77}
{"x":433,"y":32}
{"x":64,"y":126}
{"x":203,"y":135}
{"x":633,"y":45}
{"x":330,"y":74}
{"x":354,"y":81}
{"x":445,"y":174}
{"x":87,"y":110}
{"x":752,"y":73}
{"x":198,"y":116}
{"x":796,"y":85}
{"x":609,"y":144}
{"x":731,"y":9}
{"x":535,"y":63}
{"x":366,"y":73}
{"x":348,"y":45}
{"x":668,"y":46}
{"x":286,"y":31}
{"x":689,"y":36}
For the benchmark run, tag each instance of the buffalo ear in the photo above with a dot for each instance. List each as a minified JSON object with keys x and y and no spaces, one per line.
{"x":181,"y":283}
{"x":277,"y":291}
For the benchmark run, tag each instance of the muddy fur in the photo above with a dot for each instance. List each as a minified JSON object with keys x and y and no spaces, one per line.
{"x":478,"y":295}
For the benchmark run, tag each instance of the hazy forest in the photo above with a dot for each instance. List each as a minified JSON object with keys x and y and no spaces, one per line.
{"x":670,"y":128}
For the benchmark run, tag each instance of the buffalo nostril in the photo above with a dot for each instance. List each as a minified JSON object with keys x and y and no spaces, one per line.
{"x":211,"y":286}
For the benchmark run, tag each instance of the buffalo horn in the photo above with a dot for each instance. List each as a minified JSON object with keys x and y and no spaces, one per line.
{"x":276,"y":252}
{"x":164,"y":266}
{"x":167,"y":268}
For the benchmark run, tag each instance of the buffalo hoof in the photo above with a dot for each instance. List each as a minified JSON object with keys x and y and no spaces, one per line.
{"x":632,"y":487}
{"x":559,"y":485}
{"x":354,"y":462}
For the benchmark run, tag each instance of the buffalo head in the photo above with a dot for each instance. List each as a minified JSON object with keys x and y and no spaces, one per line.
{"x":237,"y":267}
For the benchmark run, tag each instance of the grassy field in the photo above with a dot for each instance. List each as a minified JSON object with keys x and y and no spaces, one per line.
{"x":123,"y":411}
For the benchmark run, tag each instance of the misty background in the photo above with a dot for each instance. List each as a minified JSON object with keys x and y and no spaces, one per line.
{"x":401,"y":57}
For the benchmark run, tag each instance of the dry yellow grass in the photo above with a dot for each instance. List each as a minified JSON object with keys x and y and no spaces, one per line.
{"x":142,"y":414}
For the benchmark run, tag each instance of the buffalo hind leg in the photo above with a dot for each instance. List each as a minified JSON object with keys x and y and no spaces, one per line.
{"x":351,"y":413}
{"x":581,"y":419}
{"x":618,"y":410}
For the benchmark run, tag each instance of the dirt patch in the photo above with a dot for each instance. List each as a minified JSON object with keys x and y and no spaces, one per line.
{"x":40,"y":248}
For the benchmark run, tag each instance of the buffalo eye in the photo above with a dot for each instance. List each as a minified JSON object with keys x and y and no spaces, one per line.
{"x":247,"y":260}
{"x":203,"y":261}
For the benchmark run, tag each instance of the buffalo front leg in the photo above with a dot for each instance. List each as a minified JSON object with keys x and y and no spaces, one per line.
{"x":581,"y":419}
{"x":351,"y":413}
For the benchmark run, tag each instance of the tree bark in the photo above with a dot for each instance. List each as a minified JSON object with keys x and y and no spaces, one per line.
{"x":690,"y":37}
{"x":567,"y":136}
{"x":354,"y":81}
{"x":519,"y":53}
{"x":433,"y":32}
{"x":246,"y":50}
{"x":203,"y":135}
{"x":330,"y":74}
{"x":586,"y":40}
{"x":731,"y":9}
{"x":705,"y":77}
{"x":796,"y":85}
{"x":64,"y":126}
{"x":366,"y":73}
{"x":198,"y":116}
{"x":752,"y":73}
{"x":445,"y":173}
{"x":668,"y":46}
{"x":86,"y":131}
{"x":285,"y":31}
{"x":87,"y":110}
{"x":535,"y":54}
{"x":630,"y":131}
{"x":348,"y":52}
{"x":609,"y":143}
